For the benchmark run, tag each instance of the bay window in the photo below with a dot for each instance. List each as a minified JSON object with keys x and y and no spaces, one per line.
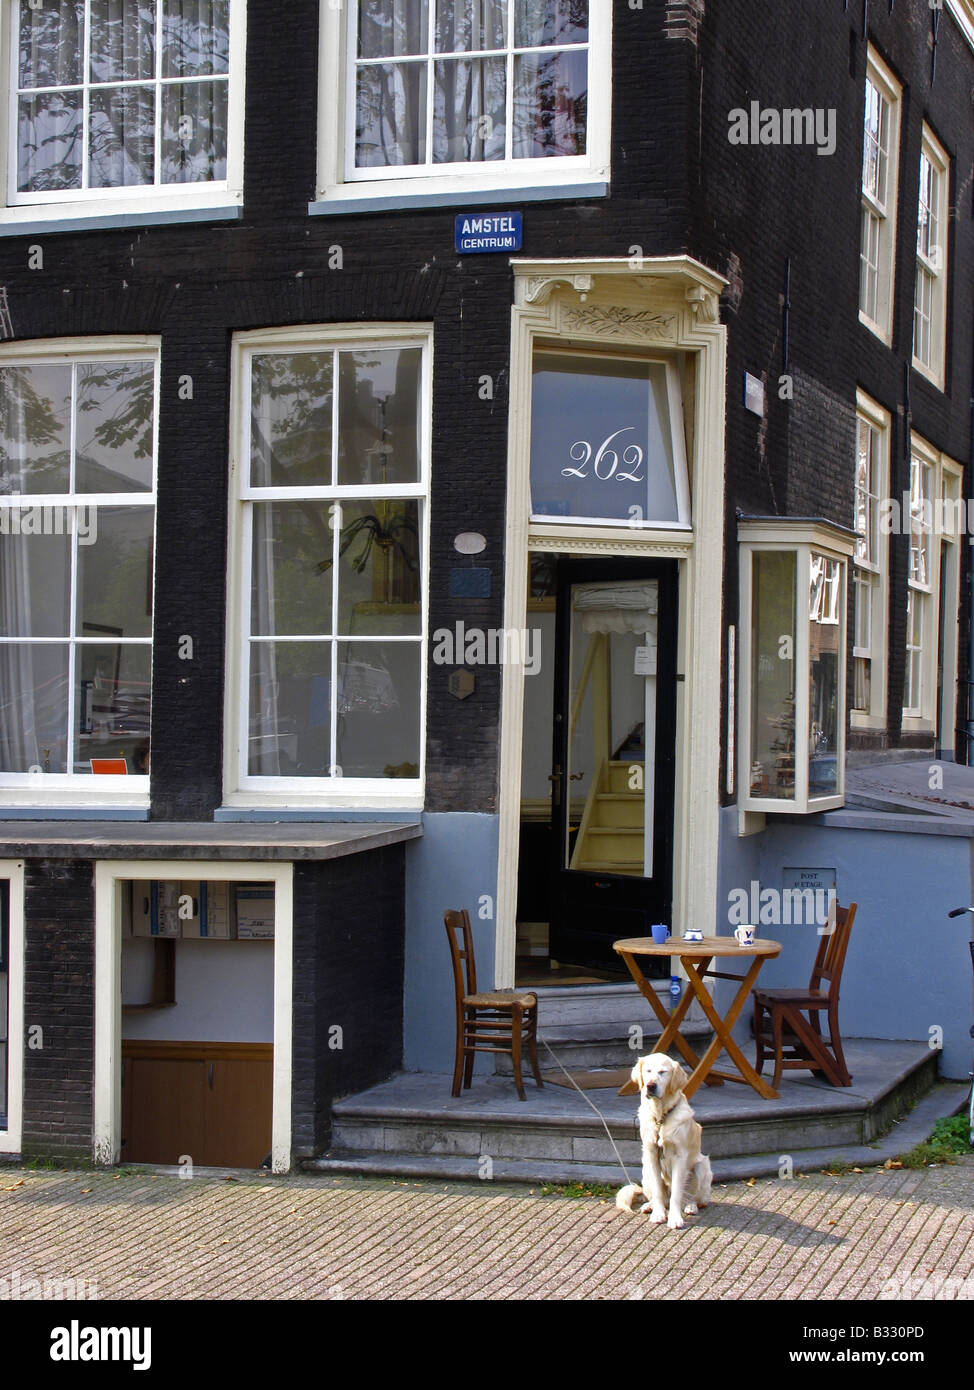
{"x":329,"y":562}
{"x":77,"y":514}
{"x":793,"y":624}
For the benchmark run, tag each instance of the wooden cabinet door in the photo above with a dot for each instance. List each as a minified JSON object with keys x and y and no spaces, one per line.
{"x":238,"y":1112}
{"x":163,"y":1110}
{"x":209,"y":1102}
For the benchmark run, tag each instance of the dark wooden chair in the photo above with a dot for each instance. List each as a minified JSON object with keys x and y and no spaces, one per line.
{"x":786,"y":1021}
{"x":499,"y":1020}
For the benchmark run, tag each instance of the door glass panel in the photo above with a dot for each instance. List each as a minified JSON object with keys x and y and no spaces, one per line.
{"x":610,"y":777}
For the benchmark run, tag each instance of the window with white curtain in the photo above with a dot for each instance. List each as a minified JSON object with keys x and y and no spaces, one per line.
{"x":880,"y":159}
{"x":77,"y":514}
{"x":931,"y":635}
{"x":329,"y":554}
{"x":930,"y":297}
{"x":871,"y":565}
{"x":482,"y":92}
{"x":130,"y":99}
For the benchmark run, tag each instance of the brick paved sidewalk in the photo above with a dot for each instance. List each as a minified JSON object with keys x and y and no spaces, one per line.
{"x":134,"y":1235}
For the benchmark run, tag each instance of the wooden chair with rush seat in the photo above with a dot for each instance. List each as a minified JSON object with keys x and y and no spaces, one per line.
{"x":781,"y":1028}
{"x":498,"y":1020}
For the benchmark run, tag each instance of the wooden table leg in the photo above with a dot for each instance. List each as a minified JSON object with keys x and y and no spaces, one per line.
{"x":671,"y":1035}
{"x":722,"y":1034}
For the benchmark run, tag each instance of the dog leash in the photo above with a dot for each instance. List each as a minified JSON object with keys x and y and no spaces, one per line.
{"x":591,"y":1104}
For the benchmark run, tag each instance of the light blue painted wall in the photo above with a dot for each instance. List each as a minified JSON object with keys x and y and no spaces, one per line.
{"x":453,"y":865}
{"x":908,"y":967}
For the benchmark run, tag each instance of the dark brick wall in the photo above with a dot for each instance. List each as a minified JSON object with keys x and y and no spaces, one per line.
{"x":196,"y":285}
{"x":349,"y":924}
{"x":756,"y":206}
{"x":677,"y":185}
{"x":59,"y":997}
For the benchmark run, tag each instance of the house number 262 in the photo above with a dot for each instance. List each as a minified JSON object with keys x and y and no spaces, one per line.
{"x":605,"y":464}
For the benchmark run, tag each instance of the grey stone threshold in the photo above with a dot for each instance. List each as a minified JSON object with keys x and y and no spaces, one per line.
{"x":945,"y":1099}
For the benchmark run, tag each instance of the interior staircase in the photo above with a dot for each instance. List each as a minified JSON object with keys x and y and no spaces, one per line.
{"x":610,"y":834}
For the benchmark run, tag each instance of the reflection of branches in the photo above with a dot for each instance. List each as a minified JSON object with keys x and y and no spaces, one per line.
{"x":132,"y":418}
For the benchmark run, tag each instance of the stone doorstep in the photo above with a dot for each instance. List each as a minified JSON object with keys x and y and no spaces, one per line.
{"x":944,"y":1100}
{"x":586,"y":1140}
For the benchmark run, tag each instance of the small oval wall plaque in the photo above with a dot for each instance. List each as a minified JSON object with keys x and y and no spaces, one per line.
{"x":470,"y":543}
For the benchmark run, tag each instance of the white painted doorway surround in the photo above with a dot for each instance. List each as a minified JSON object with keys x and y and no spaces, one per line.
{"x":665,"y":305}
{"x":109,"y":875}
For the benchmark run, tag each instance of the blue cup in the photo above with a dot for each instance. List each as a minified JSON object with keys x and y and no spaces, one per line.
{"x":660,"y":932}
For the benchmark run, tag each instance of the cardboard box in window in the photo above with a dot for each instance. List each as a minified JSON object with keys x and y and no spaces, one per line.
{"x":155,"y":908}
{"x":255,"y":912}
{"x":213,"y":915}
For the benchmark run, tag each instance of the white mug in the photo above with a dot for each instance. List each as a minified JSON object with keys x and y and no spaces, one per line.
{"x":745,"y":935}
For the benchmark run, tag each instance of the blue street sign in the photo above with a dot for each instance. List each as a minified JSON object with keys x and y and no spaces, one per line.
{"x":481,"y":232}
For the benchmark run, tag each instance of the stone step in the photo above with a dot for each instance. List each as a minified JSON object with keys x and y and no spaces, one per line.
{"x":913,"y":1129}
{"x":398,"y":1126}
{"x":599,"y":1046}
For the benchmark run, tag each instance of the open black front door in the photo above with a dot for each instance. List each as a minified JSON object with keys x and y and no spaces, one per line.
{"x":613,"y":756}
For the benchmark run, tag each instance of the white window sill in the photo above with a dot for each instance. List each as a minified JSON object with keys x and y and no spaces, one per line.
{"x":915,"y":724}
{"x":410,"y":800}
{"x":934,"y":378}
{"x":25,"y":799}
{"x":31,"y":219}
{"x":858,"y":719}
{"x":885,"y":335}
{"x":382,"y":194}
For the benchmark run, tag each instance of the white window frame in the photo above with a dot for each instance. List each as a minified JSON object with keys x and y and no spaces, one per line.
{"x":678,"y":445}
{"x":883,"y":210}
{"x":74,"y":789}
{"x":11,"y":1138}
{"x":805,"y":540}
{"x":875,"y":569}
{"x":341,"y":188}
{"x":21,"y":213}
{"x":931,"y":268}
{"x":111,"y":877}
{"x":242,"y":789}
{"x":946,"y":479}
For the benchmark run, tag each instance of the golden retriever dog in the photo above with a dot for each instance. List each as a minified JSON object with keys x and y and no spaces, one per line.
{"x":676,"y":1175}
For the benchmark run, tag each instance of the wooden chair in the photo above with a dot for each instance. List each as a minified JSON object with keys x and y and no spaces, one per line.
{"x":499,"y":1020}
{"x":781,"y":1027}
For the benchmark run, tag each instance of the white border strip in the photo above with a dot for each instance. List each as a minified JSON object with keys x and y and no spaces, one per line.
{"x":11,"y":1138}
{"x":108,"y":989}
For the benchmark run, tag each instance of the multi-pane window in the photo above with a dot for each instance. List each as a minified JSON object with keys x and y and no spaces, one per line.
{"x":920,"y":589}
{"x":77,"y":510}
{"x":118,"y":94}
{"x":879,"y":176}
{"x":446,"y":82}
{"x":869,"y":572}
{"x":929,"y":308}
{"x":332,"y":560}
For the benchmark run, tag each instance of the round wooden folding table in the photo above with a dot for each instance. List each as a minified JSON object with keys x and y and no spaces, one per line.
{"x":695,"y":957}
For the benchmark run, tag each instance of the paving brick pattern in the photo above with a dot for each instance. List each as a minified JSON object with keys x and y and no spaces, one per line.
{"x":899,"y":1234}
